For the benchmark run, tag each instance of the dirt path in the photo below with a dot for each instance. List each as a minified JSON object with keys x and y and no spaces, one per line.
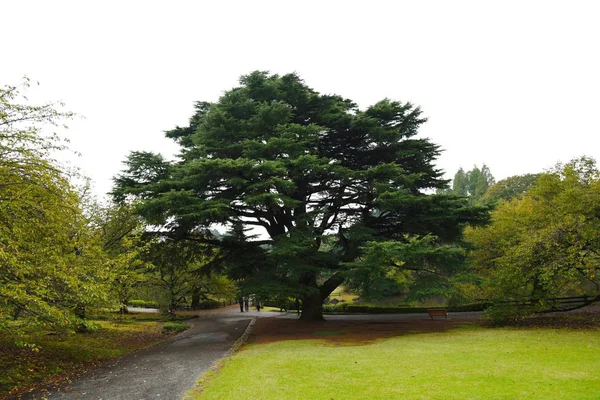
{"x":164,"y":371}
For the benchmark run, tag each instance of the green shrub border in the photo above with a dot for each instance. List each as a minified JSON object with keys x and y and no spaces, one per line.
{"x":142,"y":304}
{"x":364,"y":309}
{"x":174,"y":327}
{"x":204,"y":305}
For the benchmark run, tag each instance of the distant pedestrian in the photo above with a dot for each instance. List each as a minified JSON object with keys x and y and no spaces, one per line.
{"x":257,"y":305}
{"x":241,"y":300}
{"x":247,"y":304}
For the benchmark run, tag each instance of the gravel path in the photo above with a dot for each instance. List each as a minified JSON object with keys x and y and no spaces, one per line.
{"x":164,"y":371}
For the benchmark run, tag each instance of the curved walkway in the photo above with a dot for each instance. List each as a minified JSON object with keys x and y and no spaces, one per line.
{"x":164,"y":371}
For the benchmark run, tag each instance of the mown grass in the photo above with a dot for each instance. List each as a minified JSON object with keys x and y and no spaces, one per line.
{"x":50,"y":357}
{"x":466,"y":363}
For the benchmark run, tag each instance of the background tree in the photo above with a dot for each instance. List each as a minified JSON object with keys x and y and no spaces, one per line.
{"x":121,"y":232}
{"x":305,"y":170}
{"x":472,"y":184}
{"x":511,"y":187}
{"x":181,"y":271}
{"x":545,"y":243}
{"x":460,"y":183}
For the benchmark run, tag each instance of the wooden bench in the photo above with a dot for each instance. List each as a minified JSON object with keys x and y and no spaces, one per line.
{"x":437,"y":312}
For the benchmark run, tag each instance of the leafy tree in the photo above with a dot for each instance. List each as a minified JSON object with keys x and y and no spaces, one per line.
{"x":121,"y":232}
{"x":479,"y":181}
{"x":460,"y":183}
{"x":511,"y":187}
{"x":51,"y":263}
{"x":334,"y":192}
{"x":181,"y":271}
{"x":472,"y":184}
{"x":545,"y":243}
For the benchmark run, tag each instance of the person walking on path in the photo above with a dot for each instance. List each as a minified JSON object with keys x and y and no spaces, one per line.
{"x":242,"y":304}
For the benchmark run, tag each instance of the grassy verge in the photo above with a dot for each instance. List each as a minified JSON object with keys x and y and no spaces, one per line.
{"x":472,"y":362}
{"x":51,"y":358}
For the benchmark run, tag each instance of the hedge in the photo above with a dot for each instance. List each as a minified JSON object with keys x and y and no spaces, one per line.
{"x":143,"y":304}
{"x":365,"y":309}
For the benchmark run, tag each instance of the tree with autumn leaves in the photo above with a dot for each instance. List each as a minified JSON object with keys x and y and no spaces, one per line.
{"x":50,"y":259}
{"x":544,"y":243}
{"x":60,"y":253}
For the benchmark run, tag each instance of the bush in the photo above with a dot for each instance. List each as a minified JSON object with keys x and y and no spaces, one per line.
{"x":280,"y":302}
{"x":87,"y":326}
{"x":471,"y":307}
{"x":143,"y":304}
{"x":340,"y":307}
{"x":366,"y":309}
{"x":174,"y":327}
{"x":500,"y":314}
{"x":208,"y":305}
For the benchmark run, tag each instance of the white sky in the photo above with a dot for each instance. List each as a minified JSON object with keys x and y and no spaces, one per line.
{"x":514,"y":84}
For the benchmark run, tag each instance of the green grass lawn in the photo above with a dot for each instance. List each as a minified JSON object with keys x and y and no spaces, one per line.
{"x":465,"y":363}
{"x":54,"y":357}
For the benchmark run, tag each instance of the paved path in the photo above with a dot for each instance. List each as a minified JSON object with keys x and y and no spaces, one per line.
{"x":164,"y":371}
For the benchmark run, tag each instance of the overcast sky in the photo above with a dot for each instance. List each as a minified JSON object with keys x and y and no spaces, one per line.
{"x":513,"y":84}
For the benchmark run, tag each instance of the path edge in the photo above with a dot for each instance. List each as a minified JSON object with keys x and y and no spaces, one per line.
{"x":240,"y":342}
{"x":198,"y":387}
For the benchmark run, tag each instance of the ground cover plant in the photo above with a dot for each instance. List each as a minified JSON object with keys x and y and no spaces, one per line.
{"x":42,"y":356}
{"x":426,"y":360}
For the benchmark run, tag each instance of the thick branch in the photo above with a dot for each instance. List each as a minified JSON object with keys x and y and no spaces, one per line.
{"x":330,"y":285}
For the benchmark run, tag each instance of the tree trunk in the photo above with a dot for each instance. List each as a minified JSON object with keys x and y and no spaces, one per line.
{"x":80,"y":313}
{"x":195,"y":300}
{"x":312,"y":307}
{"x":312,"y":303}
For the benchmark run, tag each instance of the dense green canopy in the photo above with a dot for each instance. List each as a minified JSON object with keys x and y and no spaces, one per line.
{"x":333,"y":192}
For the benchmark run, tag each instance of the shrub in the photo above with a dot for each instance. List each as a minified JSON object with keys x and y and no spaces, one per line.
{"x":279,"y":302}
{"x":88,"y":326}
{"x":174,"y":327}
{"x":143,"y":304}
{"x":500,"y":314}
{"x":471,"y":307}
{"x":367,"y":309}
{"x":340,"y":307}
{"x":208,"y":304}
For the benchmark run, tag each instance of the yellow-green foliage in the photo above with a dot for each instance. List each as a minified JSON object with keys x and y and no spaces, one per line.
{"x":545,"y":243}
{"x":50,"y":257}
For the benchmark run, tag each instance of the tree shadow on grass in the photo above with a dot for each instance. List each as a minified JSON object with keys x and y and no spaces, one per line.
{"x":347,"y":333}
